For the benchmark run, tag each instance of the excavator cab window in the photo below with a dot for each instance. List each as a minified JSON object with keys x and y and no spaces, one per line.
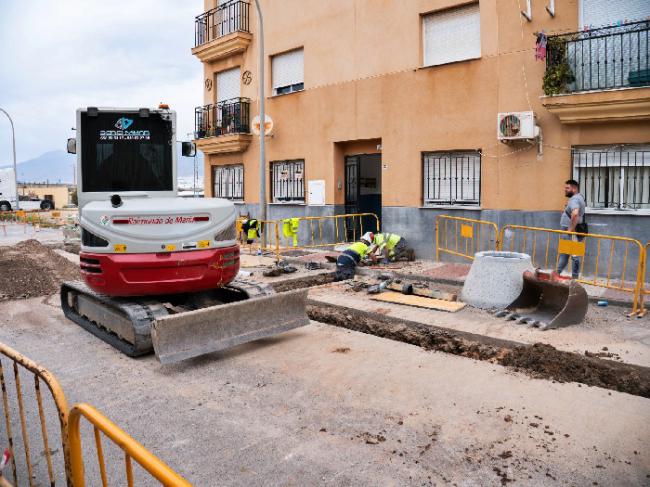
{"x":126,"y":152}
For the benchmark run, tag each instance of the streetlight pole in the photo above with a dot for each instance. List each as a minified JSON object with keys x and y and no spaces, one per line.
{"x":13,"y":143}
{"x":260,"y":23}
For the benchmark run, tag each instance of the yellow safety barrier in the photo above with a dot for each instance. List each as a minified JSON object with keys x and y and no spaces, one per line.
{"x":644,"y":290}
{"x":25,"y":472}
{"x":131,"y":448}
{"x":329,"y":231}
{"x":322,"y":232}
{"x":41,"y":375}
{"x":625,"y":275}
{"x":463,"y":237}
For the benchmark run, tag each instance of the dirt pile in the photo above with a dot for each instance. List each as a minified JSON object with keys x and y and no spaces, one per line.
{"x":30,"y":269}
{"x":538,"y":360}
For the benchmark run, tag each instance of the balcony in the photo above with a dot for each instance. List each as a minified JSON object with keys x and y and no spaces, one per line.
{"x":599,"y":75}
{"x":222,"y":31}
{"x":224,"y":127}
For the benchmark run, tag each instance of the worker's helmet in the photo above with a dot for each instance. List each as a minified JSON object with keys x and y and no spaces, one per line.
{"x":368,"y":237}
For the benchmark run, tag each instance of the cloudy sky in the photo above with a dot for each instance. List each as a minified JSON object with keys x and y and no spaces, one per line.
{"x":58,"y":55}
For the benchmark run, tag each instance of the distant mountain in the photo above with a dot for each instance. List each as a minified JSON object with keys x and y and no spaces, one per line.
{"x":57,"y":167}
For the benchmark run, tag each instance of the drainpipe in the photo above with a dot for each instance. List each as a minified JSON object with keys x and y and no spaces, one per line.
{"x":13,"y":142}
{"x":260,"y":23}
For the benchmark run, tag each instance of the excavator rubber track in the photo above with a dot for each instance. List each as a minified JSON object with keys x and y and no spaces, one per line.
{"x":127,"y":323}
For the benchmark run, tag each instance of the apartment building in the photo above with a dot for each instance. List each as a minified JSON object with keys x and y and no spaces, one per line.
{"x":400,"y":108}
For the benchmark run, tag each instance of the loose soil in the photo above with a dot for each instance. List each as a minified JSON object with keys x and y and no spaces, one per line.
{"x":30,"y":269}
{"x":538,"y":360}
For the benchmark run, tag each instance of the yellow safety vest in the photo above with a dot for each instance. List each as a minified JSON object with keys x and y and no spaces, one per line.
{"x":290,"y":229}
{"x":360,"y":248}
{"x":388,"y":240}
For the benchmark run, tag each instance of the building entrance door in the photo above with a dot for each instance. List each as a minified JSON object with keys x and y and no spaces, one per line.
{"x":363,"y":191}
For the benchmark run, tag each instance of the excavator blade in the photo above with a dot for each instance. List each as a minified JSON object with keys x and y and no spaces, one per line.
{"x":194,"y":333}
{"x":550,"y":303}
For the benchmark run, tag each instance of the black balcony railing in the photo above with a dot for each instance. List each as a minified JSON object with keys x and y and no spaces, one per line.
{"x":599,"y":59}
{"x":225,"y":19}
{"x":224,"y":118}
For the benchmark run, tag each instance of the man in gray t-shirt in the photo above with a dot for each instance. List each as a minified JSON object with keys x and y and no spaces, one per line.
{"x":573,"y":213}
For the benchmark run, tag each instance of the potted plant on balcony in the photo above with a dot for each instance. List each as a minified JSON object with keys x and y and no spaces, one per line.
{"x":558,"y":70}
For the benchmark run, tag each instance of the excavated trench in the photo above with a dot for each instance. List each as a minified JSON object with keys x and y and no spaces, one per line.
{"x":538,"y":360}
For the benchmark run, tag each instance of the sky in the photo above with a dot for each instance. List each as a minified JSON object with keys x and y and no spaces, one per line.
{"x":59,"y":55}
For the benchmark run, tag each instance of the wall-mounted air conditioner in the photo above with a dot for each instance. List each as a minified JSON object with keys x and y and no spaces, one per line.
{"x":516,"y":126}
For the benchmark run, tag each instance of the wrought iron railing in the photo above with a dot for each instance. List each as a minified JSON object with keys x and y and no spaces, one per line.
{"x":223,"y":118}
{"x":452,"y":178}
{"x":599,"y":59}
{"x":225,"y":19}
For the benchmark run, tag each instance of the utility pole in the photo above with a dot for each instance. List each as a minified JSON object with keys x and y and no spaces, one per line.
{"x":13,"y":143}
{"x":260,"y":23}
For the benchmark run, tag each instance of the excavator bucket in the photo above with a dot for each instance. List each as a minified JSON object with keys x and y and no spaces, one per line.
{"x":548,"y":303}
{"x":193,"y":333}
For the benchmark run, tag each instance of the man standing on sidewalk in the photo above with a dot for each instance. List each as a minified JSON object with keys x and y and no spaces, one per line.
{"x":571,"y":220}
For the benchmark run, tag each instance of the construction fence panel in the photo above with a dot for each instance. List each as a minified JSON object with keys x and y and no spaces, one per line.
{"x":323,"y":232}
{"x":606,"y":261}
{"x":34,"y":422}
{"x":644,"y":289}
{"x":463,"y":237}
{"x":123,"y":447}
{"x":309,"y":232}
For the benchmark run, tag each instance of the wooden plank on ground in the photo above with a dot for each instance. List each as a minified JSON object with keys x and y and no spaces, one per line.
{"x":418,"y":301}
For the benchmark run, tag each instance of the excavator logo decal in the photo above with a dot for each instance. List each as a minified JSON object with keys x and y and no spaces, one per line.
{"x":123,"y":123}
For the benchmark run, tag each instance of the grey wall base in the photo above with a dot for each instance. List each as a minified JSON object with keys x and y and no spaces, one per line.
{"x":417,"y":225}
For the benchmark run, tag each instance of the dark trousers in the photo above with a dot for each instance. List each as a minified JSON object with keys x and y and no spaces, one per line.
{"x":346,"y":265}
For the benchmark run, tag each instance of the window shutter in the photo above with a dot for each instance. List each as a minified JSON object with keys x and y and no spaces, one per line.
{"x":597,"y":13}
{"x":228,"y":85}
{"x":452,"y":35}
{"x":288,"y":69}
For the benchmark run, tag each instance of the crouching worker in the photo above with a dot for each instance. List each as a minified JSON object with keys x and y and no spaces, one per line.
{"x":391,"y":247}
{"x":346,"y":264}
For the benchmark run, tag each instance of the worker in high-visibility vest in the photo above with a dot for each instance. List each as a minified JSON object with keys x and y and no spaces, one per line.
{"x":390,"y":247}
{"x":346,"y":264}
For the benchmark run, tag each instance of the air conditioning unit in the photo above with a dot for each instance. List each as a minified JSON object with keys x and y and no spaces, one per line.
{"x":516,"y":126}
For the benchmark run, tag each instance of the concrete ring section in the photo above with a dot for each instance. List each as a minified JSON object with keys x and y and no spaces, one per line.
{"x":495,"y":279}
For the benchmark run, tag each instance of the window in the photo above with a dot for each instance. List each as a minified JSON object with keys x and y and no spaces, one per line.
{"x":288,"y":72}
{"x":452,"y":178}
{"x":597,"y":13}
{"x":228,"y":86}
{"x":613,"y":176}
{"x":452,"y":35}
{"x":288,"y":181}
{"x":228,"y":182}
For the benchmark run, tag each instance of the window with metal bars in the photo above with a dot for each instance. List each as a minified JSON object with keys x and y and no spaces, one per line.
{"x":452,"y":178}
{"x":613,"y":176}
{"x":228,"y":182}
{"x":288,"y":181}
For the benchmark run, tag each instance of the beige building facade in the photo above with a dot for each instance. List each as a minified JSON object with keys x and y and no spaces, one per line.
{"x":398,"y":108}
{"x":59,"y":194}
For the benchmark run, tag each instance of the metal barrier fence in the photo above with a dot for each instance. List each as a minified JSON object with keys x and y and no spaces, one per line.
{"x":463,"y":237}
{"x":40,"y":375}
{"x":131,"y":448}
{"x":644,"y":289}
{"x":67,"y":463}
{"x":621,"y":269}
{"x":314,"y":232}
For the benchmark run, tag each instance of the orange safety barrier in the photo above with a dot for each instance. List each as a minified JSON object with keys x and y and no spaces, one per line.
{"x":40,"y":375}
{"x":624,"y":274}
{"x":644,"y":288}
{"x":131,"y":448}
{"x":463,"y":237}
{"x":23,"y":466}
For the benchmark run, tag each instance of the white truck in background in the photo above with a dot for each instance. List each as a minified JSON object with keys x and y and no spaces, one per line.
{"x":8,"y":195}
